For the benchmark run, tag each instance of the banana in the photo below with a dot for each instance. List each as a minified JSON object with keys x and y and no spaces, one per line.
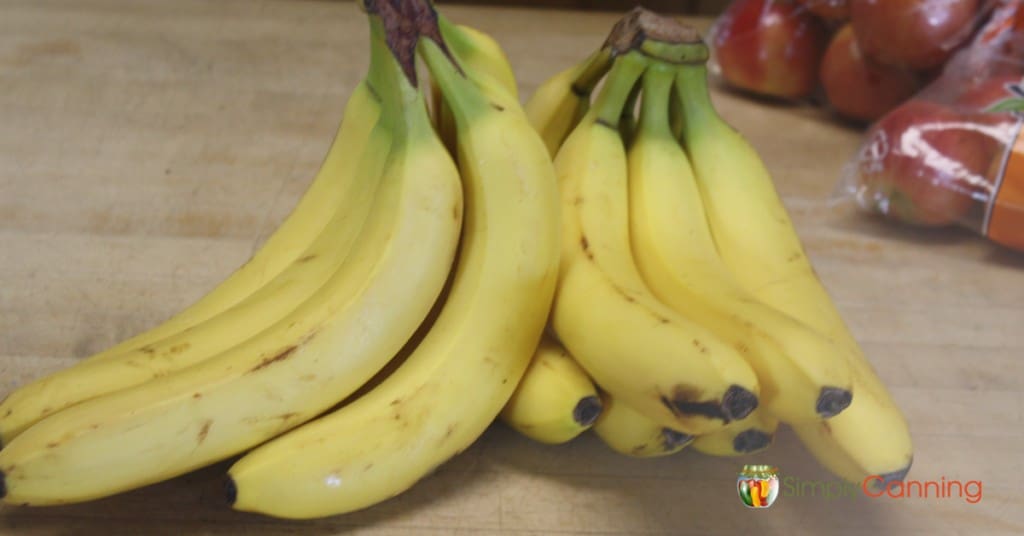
{"x":632,"y":433}
{"x":457,"y":380}
{"x":560,"y":103}
{"x":802,"y":375}
{"x":555,"y":401}
{"x":486,"y":62}
{"x":287,"y":374}
{"x":759,"y":245}
{"x":754,"y":433}
{"x":309,"y":216}
{"x":266,"y":305}
{"x":665,"y":366}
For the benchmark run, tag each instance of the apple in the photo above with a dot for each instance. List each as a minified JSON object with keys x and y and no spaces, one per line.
{"x":858,"y":87}
{"x":830,"y":10}
{"x":917,"y":34}
{"x":770,"y":47}
{"x":925,"y":164}
{"x":985,"y":93}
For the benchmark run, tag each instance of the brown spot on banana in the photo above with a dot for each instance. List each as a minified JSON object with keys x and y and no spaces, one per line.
{"x":204,"y":430}
{"x":266,"y":362}
{"x":178,"y":348}
{"x":307,"y":258}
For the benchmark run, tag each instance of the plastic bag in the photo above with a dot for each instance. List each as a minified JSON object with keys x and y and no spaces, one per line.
{"x":861,"y":57}
{"x":954,"y":153}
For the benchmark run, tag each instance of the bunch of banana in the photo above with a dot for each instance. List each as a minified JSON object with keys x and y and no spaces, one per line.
{"x":684,"y":292}
{"x":377,"y":334}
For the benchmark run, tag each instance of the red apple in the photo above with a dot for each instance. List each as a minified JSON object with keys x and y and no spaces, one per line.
{"x":830,"y":10}
{"x":924,"y":164}
{"x":918,"y":34}
{"x":857,"y":87}
{"x":771,"y":47}
{"x":985,"y":93}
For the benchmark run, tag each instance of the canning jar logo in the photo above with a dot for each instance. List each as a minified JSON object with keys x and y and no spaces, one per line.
{"x":758,"y":485}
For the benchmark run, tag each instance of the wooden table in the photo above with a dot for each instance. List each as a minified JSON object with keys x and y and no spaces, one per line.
{"x":147,"y":147}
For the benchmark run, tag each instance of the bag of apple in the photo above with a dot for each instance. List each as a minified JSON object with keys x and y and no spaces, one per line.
{"x":954,"y":153}
{"x":860,"y":58}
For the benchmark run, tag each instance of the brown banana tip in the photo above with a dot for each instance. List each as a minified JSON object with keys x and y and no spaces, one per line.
{"x":749,"y":441}
{"x":675,"y":439}
{"x":738,"y":402}
{"x":832,"y":401}
{"x":230,"y":491}
{"x":404,"y":24}
{"x":641,"y":24}
{"x":587,"y":410}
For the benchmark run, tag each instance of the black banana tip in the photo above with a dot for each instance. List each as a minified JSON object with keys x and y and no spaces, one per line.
{"x":832,"y":401}
{"x":230,"y":491}
{"x":738,"y":402}
{"x":587,"y":410}
{"x":675,"y":439}
{"x":3,"y":485}
{"x":883,"y":480}
{"x":749,"y":441}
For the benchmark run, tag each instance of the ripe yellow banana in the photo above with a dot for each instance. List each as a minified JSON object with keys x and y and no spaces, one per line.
{"x":665,"y":366}
{"x":802,"y":375}
{"x":289,"y":373}
{"x":358,"y":174}
{"x":293,"y":235}
{"x":629,"y":432}
{"x":560,"y":103}
{"x":751,"y":434}
{"x":555,"y":401}
{"x":457,"y":380}
{"x":759,"y":245}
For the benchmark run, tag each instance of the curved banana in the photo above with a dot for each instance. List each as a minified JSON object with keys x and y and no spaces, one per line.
{"x":555,"y":401}
{"x":456,"y":382}
{"x":289,"y":373}
{"x":560,"y":103}
{"x":759,"y":245}
{"x":802,"y":375}
{"x":251,"y":315}
{"x":665,"y":366}
{"x":754,"y":433}
{"x":309,"y":216}
{"x":630,"y":432}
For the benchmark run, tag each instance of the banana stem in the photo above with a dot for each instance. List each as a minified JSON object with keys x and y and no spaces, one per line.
{"x":465,"y":101}
{"x":699,"y":115}
{"x":624,"y":74}
{"x":654,"y":109}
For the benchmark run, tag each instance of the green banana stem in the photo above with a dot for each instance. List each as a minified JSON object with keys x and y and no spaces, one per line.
{"x":625,"y":72}
{"x":405,"y":107}
{"x":465,"y":100}
{"x":591,"y":71}
{"x":698,"y":112}
{"x":654,"y":109}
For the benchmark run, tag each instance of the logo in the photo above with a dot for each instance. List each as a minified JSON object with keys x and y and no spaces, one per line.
{"x":758,"y":485}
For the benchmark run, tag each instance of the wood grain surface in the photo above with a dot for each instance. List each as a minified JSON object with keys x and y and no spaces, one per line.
{"x":147,"y":148}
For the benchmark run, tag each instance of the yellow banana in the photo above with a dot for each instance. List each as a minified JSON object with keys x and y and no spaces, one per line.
{"x":560,"y":103}
{"x":489,"y":64}
{"x":287,"y":243}
{"x":751,"y":434}
{"x":457,"y":380}
{"x":665,"y":366}
{"x":802,"y":375}
{"x":555,"y":401}
{"x":759,"y":245}
{"x":251,"y":315}
{"x":289,"y":373}
{"x":632,"y":433}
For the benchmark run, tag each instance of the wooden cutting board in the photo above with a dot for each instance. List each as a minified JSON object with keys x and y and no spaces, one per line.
{"x":147,"y":147}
